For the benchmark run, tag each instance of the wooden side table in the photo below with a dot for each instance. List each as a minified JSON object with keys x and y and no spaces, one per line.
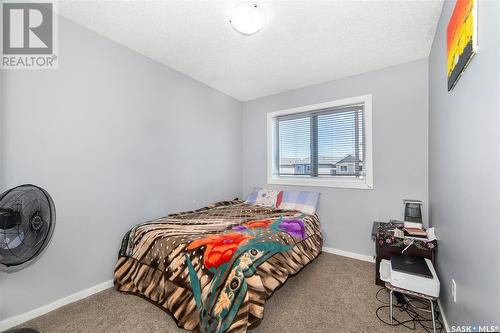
{"x":386,"y":243}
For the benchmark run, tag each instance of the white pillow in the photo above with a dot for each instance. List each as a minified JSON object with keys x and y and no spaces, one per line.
{"x":267,"y":198}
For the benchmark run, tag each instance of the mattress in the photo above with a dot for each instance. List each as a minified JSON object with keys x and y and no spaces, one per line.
{"x":213,"y":269}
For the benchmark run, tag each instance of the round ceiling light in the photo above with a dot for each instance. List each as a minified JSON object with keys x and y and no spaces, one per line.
{"x":247,"y":18}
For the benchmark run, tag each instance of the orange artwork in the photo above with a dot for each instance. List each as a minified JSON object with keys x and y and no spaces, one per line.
{"x":461,"y":39}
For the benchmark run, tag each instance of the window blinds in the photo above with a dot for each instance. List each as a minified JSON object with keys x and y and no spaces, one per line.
{"x":321,"y":143}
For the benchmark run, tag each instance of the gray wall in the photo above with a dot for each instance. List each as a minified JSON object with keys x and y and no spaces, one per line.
{"x":464,"y":173}
{"x":2,"y":124}
{"x":400,"y":122}
{"x":116,"y":139}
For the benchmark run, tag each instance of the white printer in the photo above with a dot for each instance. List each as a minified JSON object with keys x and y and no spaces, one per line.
{"x":411,"y":282}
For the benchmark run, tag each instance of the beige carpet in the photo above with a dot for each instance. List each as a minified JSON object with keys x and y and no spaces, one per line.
{"x":332,"y":294}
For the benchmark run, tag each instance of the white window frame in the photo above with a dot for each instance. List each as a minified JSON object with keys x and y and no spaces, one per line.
{"x":366,"y":183}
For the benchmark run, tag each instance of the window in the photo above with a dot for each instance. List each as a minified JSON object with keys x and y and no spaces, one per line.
{"x":326,"y":144}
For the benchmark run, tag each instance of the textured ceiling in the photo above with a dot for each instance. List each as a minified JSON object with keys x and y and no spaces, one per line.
{"x":303,"y":43}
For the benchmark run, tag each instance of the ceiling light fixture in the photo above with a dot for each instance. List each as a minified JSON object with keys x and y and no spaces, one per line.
{"x":247,"y":18}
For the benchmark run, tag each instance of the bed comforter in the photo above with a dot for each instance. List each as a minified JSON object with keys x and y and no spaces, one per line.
{"x":213,"y":269}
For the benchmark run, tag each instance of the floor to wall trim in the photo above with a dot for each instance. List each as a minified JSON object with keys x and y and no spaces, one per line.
{"x":348,"y":254}
{"x":14,"y":321}
{"x":371,"y":259}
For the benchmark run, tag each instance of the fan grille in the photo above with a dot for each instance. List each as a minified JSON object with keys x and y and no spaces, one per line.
{"x":27,"y":221}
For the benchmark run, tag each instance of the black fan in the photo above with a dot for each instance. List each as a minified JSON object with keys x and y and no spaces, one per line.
{"x":27,"y":221}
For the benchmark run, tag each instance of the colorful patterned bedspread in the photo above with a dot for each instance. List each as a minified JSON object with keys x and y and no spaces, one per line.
{"x":214,"y":268}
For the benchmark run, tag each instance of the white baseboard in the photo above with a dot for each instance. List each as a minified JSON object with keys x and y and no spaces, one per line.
{"x":348,"y":254}
{"x":371,"y":259}
{"x":443,"y":317}
{"x":17,"y":320}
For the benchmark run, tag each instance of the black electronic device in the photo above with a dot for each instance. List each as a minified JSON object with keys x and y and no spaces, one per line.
{"x":410,"y":265}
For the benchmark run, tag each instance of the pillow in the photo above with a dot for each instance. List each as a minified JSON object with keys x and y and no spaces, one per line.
{"x":267,"y":197}
{"x":253,"y":196}
{"x":305,"y":202}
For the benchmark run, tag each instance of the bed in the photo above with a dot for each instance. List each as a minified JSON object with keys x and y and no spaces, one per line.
{"x":213,"y":269}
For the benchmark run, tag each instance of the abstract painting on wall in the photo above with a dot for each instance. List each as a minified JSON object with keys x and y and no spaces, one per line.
{"x":461,"y":39}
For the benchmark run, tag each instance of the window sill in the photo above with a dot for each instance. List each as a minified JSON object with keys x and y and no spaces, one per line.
{"x":321,"y":182}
